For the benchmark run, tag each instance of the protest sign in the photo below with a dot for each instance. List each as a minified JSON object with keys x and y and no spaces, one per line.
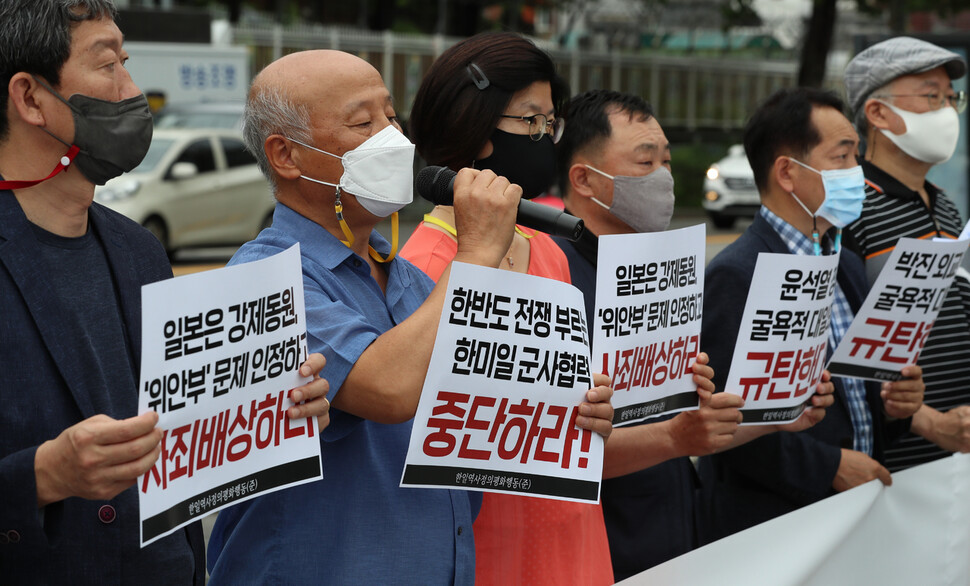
{"x":890,"y":329}
{"x":220,"y":352}
{"x":647,"y":324}
{"x":509,"y":368}
{"x":780,"y":352}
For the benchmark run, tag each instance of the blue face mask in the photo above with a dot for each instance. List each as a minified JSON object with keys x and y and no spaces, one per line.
{"x":845,"y":190}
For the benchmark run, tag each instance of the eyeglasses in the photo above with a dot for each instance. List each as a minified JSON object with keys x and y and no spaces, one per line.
{"x":936,"y":100}
{"x":539,"y":125}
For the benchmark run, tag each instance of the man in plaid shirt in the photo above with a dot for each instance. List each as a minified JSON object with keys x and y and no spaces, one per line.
{"x":797,"y":137}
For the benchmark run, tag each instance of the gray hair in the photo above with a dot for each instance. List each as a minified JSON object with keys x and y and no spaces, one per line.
{"x":270,"y":111}
{"x":860,"y":120}
{"x":35,"y":37}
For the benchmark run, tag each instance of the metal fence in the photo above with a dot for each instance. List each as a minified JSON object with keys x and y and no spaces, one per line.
{"x":688,"y":92}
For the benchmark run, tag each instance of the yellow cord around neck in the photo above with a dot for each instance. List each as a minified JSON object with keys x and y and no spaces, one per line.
{"x":429,"y":219}
{"x":349,"y":242}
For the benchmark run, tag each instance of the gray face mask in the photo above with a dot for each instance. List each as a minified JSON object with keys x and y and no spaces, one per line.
{"x":644,"y":203}
{"x":113,"y":137}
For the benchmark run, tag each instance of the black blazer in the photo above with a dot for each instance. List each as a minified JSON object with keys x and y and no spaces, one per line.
{"x":46,"y":385}
{"x":779,"y":472}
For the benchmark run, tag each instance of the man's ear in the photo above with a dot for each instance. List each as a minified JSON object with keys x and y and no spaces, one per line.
{"x":26,"y":98}
{"x":878,"y":115}
{"x":579,"y":180}
{"x":781,"y":170}
{"x":282,"y":157}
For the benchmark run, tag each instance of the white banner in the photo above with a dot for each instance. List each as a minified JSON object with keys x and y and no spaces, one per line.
{"x":509,"y":369}
{"x":916,"y":531}
{"x":781,"y":344}
{"x":647,"y":324}
{"x":220,"y":352}
{"x":890,"y":329}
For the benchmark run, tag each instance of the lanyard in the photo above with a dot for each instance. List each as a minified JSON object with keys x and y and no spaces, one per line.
{"x":66,"y":160}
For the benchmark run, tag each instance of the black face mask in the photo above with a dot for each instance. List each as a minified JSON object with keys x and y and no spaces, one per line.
{"x":113,"y":136}
{"x":528,"y":163}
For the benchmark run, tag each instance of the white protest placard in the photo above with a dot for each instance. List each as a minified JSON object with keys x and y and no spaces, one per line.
{"x":890,"y":329}
{"x":780,"y":352}
{"x":965,"y":235}
{"x":220,"y":352}
{"x":647,"y":323}
{"x":509,"y":369}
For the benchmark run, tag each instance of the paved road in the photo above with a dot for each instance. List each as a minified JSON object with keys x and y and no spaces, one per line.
{"x":202,"y":259}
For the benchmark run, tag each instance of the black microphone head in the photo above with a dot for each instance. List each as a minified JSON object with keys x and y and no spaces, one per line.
{"x":436,"y":185}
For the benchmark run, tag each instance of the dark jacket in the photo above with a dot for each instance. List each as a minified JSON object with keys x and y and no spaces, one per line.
{"x":779,"y":472}
{"x":46,"y":386}
{"x":649,"y":514}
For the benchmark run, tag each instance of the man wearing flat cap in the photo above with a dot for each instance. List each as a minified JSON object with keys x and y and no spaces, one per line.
{"x":906,"y":109}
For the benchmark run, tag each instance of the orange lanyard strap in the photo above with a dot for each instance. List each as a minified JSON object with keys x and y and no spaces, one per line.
{"x":339,"y":208}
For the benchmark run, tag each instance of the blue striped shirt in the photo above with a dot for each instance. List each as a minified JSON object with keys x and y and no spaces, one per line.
{"x":855,"y":389}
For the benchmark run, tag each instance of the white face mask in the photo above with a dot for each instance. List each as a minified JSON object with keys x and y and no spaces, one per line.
{"x":379,"y":173}
{"x":930,"y":137}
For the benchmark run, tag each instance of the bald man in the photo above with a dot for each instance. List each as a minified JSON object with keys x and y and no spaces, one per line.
{"x":323,"y":128}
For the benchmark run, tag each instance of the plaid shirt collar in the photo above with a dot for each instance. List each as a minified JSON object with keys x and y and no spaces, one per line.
{"x":841,"y":318}
{"x":796,"y":242}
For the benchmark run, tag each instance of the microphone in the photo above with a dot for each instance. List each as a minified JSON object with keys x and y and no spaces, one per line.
{"x":437,"y":185}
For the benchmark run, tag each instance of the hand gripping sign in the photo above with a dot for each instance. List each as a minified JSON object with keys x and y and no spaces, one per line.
{"x":891,"y":328}
{"x":780,"y":352}
{"x":220,"y":351}
{"x":647,"y":324}
{"x":509,"y":369}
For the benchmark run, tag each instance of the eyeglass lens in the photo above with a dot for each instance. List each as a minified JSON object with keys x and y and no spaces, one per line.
{"x":537,"y":126}
{"x":958,"y":100}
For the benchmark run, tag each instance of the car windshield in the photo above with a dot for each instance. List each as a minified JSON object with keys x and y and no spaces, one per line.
{"x":156,"y":152}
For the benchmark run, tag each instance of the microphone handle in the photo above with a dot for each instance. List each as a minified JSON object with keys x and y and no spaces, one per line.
{"x":530,"y":214}
{"x":549,"y":220}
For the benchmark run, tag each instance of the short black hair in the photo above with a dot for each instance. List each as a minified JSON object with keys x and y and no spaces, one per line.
{"x":587,"y":117}
{"x":466,"y":90}
{"x":782,"y":125}
{"x":35,"y":37}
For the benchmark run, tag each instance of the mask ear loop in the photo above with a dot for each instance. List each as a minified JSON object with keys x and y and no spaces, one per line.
{"x":816,"y":242}
{"x":66,"y":160}
{"x":610,"y":177}
{"x":338,"y":207}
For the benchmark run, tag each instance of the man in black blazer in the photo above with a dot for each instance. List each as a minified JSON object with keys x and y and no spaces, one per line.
{"x":71,"y":273}
{"x":792,"y":139}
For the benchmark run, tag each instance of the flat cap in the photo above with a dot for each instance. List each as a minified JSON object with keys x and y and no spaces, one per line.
{"x":883,"y":62}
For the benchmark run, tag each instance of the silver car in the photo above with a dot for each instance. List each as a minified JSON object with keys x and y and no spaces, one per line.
{"x":729,"y":189}
{"x":194,"y":188}
{"x":201,"y":115}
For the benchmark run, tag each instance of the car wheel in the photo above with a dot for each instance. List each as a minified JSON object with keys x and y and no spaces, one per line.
{"x":722,"y":221}
{"x":156,"y":226}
